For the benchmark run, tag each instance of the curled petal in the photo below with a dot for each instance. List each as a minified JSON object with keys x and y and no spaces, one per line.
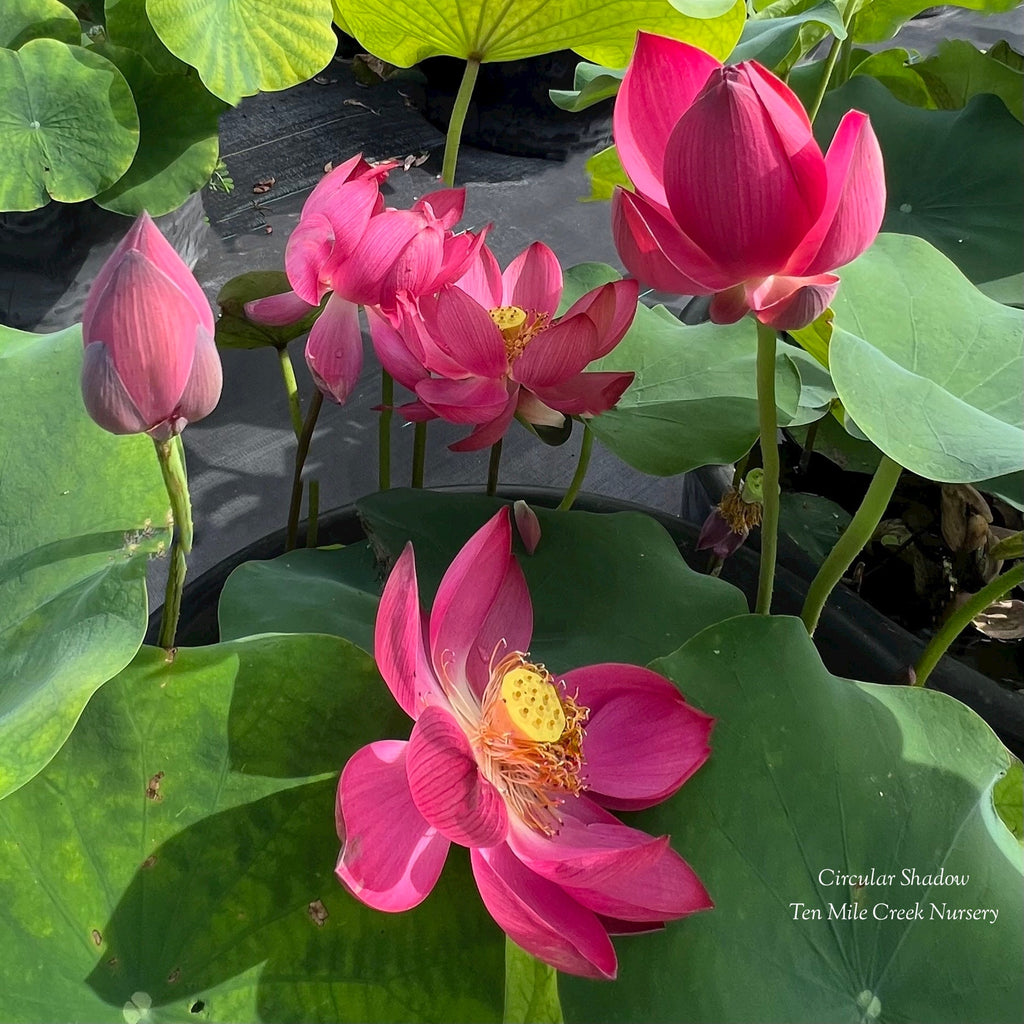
{"x":416,"y":267}
{"x":643,"y":741}
{"x":558,"y":353}
{"x":533,"y":410}
{"x":446,"y":205}
{"x":533,"y":280}
{"x":487,"y":434}
{"x":391,"y":858}
{"x":473,"y":400}
{"x":202,"y":391}
{"x":612,"y":308}
{"x":459,"y":253}
{"x":306,"y":255}
{"x":324,"y":195}
{"x":398,"y":641}
{"x":394,"y":348}
{"x":541,"y":917}
{"x":361,"y":275}
{"x":587,"y":394}
{"x":105,"y":397}
{"x":788,"y":303}
{"x":334,"y":350}
{"x":655,"y":251}
{"x":663,"y":78}
{"x":462,"y":330}
{"x":447,"y":786}
{"x":278,"y":310}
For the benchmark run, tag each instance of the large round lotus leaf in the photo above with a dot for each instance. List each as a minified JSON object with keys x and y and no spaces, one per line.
{"x":178,"y":144}
{"x":952,"y":177}
{"x":127,"y":24}
{"x":926,"y":365}
{"x":813,"y":779}
{"x":68,"y":126}
{"x":24,"y":20}
{"x":880,"y":19}
{"x":175,"y":862}
{"x":80,"y":512}
{"x":603,"y":31}
{"x":241,"y":47}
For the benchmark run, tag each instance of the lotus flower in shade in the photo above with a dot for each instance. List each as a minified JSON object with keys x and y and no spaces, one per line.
{"x":729,"y":523}
{"x":150,"y":363}
{"x":490,"y":347}
{"x":732,"y":194}
{"x":519,"y":765}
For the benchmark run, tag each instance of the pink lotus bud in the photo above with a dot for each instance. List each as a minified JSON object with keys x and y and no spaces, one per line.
{"x":150,"y":365}
{"x":528,"y":525}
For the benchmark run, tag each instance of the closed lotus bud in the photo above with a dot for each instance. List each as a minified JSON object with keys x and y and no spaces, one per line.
{"x":528,"y":525}
{"x":150,"y":365}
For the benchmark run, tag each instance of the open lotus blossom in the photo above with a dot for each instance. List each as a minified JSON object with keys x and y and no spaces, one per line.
{"x":519,"y":765}
{"x":490,"y":347}
{"x":150,"y":365}
{"x":732,"y":194}
{"x":349,"y":246}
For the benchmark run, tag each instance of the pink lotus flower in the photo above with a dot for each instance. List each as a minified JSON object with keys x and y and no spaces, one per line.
{"x":349,"y":246}
{"x":490,"y":347}
{"x":499,"y":761}
{"x":733,"y":196}
{"x":150,"y":364}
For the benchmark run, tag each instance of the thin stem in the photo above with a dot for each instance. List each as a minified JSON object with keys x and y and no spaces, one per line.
{"x":581,"y":469}
{"x":851,"y":543}
{"x":805,"y":455}
{"x":492,"y":468}
{"x":826,"y":76}
{"x":961,"y":617}
{"x":291,"y":387}
{"x":739,"y":470}
{"x":301,"y":451}
{"x":387,"y":400}
{"x":313,"y":513}
{"x":458,"y":119}
{"x":767,"y":418}
{"x":172,"y":467}
{"x":419,"y":452}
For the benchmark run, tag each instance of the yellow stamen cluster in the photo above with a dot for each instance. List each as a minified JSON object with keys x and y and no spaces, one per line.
{"x":518,"y":327}
{"x":742,"y":516}
{"x":530,"y":741}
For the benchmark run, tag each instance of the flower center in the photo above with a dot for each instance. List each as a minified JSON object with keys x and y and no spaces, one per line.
{"x":741,"y":516}
{"x":529,"y":742}
{"x":518,"y":327}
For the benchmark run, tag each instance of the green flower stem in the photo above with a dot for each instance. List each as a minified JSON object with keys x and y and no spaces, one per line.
{"x":458,"y":119}
{"x":419,"y":452}
{"x":387,"y":400}
{"x":291,"y":387}
{"x":826,"y":76}
{"x":770,"y":461}
{"x":313,"y":513}
{"x":852,"y":542}
{"x":172,"y":466}
{"x":581,"y":469}
{"x":961,"y":617}
{"x":300,"y":459}
{"x":492,"y":468}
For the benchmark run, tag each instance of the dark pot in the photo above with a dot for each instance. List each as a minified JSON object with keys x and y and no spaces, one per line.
{"x":511,"y":111}
{"x":854,"y":639}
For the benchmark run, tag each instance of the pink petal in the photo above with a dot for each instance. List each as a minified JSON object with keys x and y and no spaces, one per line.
{"x":588,"y":394}
{"x":416,"y":266}
{"x":105,"y":397}
{"x":473,"y":400}
{"x":398,"y":640}
{"x":306,"y":256}
{"x":528,"y":526}
{"x":662,"y":81}
{"x":541,"y":917}
{"x":482,"y":279}
{"x":462,"y":330}
{"x":643,"y":741}
{"x":729,"y":306}
{"x":349,"y":208}
{"x":743,"y":175}
{"x":277,"y":310}
{"x":487,"y":434}
{"x":612,"y":308}
{"x":416,"y":412}
{"x":323,"y":196}
{"x":459,"y":253}
{"x":856,"y":200}
{"x":533,"y":280}
{"x":447,"y":786}
{"x":334,"y":349}
{"x":394,"y":349}
{"x":789,"y":303}
{"x":149,"y":326}
{"x":391,"y":858}
{"x":655,"y":251}
{"x":205,"y":380}
{"x":446,"y":204}
{"x":558,"y":353}
{"x":359,"y":275}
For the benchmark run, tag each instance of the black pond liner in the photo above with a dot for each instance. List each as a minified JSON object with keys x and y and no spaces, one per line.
{"x":853,"y":639}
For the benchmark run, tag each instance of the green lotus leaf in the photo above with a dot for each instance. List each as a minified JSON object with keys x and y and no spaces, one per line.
{"x":813,"y":779}
{"x":178,"y":143}
{"x":771,"y":36}
{"x":177,"y":857}
{"x":241,"y":47}
{"x":952,"y":177}
{"x":602,"y":31}
{"x":928,"y":366}
{"x":531,"y":989}
{"x":591,"y":84}
{"x":25,"y":20}
{"x":877,"y":20}
{"x":68,"y":125}
{"x":80,"y":513}
{"x":235,"y":330}
{"x":127,"y":24}
{"x":605,"y":171}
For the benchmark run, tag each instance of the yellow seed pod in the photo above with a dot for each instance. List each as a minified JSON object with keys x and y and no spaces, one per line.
{"x":532,"y":704}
